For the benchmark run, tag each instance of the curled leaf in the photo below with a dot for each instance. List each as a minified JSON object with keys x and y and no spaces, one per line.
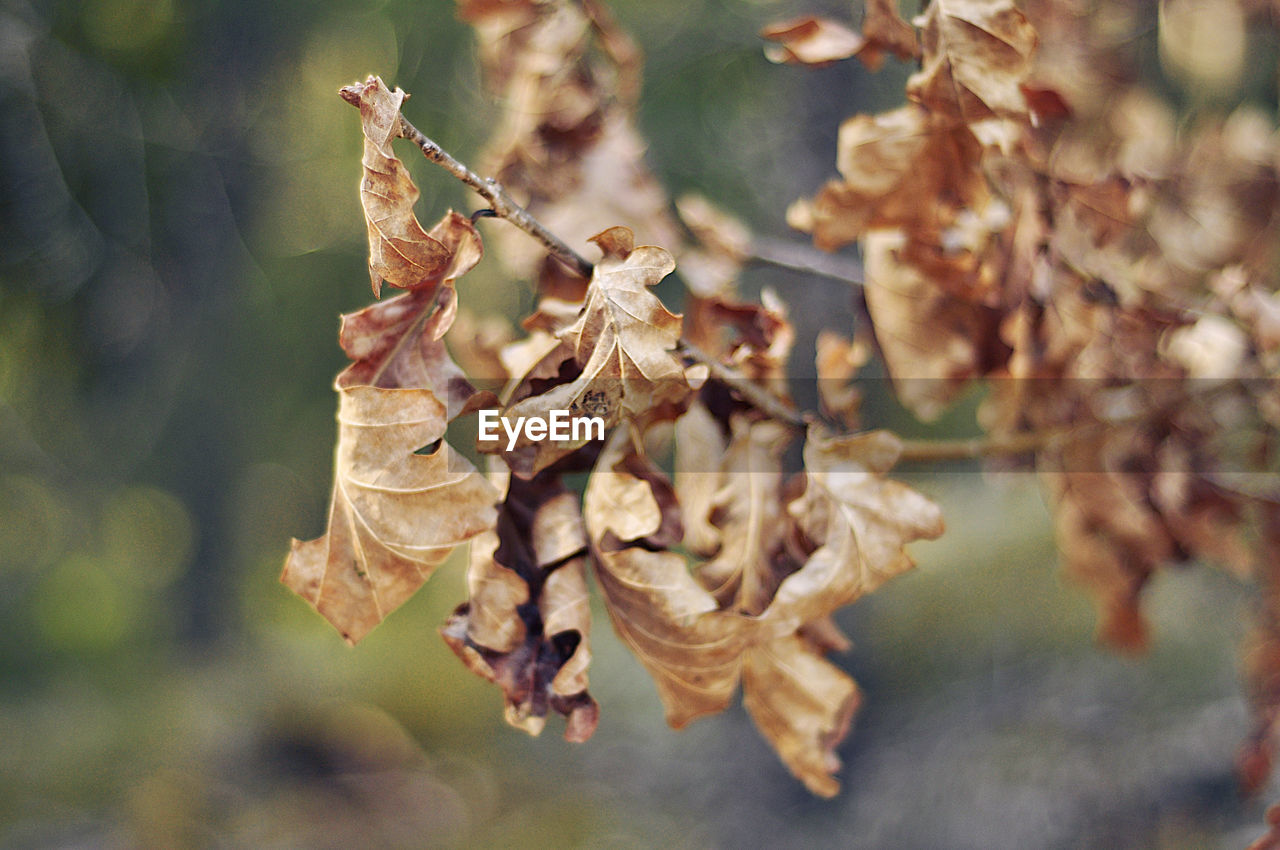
{"x":395,"y":514}
{"x":537,"y":653}
{"x":811,"y":40}
{"x":400,"y":251}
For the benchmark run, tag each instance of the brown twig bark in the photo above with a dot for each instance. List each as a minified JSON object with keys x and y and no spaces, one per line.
{"x":499,"y":201}
{"x":992,"y":445}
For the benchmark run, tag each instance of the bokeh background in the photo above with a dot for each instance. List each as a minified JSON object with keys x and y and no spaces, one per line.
{"x":179,"y":229}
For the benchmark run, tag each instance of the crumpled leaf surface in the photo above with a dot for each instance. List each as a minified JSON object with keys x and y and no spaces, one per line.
{"x":538,"y":654}
{"x":566,"y":146}
{"x":810,"y":40}
{"x":402,"y":498}
{"x":622,"y":341}
{"x":394,"y":515}
{"x":697,"y":646}
{"x":886,"y":32}
{"x":400,"y":251}
{"x":977,"y":53}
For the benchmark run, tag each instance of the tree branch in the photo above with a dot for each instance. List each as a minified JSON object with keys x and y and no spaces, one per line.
{"x":751,"y":392}
{"x":501,"y":203}
{"x":503,"y":206}
{"x":992,"y":445}
{"x":805,"y":258}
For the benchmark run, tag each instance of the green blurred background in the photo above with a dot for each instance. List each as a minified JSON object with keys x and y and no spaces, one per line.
{"x":179,"y":229}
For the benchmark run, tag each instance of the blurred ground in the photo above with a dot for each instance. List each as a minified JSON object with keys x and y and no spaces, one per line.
{"x":179,"y":229}
{"x":990,"y":721}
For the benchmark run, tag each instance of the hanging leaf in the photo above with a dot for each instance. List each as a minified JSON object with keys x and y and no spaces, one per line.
{"x":400,"y":252}
{"x":621,"y":347}
{"x":395,"y":514}
{"x":526,"y":622}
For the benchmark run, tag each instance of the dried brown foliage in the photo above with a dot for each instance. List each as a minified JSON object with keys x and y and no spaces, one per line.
{"x":1029,"y":216}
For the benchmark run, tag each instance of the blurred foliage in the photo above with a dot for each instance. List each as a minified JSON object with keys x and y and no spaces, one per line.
{"x":179,"y":229}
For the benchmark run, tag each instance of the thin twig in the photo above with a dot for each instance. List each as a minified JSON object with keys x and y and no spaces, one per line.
{"x":758,"y":397}
{"x":802,"y":257}
{"x":992,"y":445}
{"x":499,"y":201}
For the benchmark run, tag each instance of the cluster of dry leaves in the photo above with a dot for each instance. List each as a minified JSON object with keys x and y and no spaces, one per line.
{"x":1030,"y":217}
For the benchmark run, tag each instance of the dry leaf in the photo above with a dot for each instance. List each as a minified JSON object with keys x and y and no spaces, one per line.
{"x":811,"y":40}
{"x":696,"y":646}
{"x":538,"y":654}
{"x":623,"y":343}
{"x":395,"y":514}
{"x":976,"y":55}
{"x":929,"y":338}
{"x":692,"y":649}
{"x":566,"y":147}
{"x":855,"y":524}
{"x":400,"y":252}
{"x":803,"y":705}
{"x":886,"y":32}
{"x":748,"y":514}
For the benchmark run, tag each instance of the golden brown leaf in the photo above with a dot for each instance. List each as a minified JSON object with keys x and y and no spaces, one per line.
{"x":400,"y":252}
{"x":538,"y":654}
{"x":697,"y":647}
{"x":889,"y":162}
{"x":886,"y":32}
{"x":929,"y":338}
{"x":395,"y":514}
{"x":837,"y":360}
{"x":976,"y":55}
{"x":803,"y":705}
{"x":398,"y":342}
{"x":623,"y":343}
{"x":691,"y":648}
{"x":810,"y":40}
{"x":856,"y":524}
{"x":748,"y":515}
{"x":566,"y":146}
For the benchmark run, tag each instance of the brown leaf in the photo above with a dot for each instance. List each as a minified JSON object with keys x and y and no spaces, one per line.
{"x":400,"y":252}
{"x":810,"y":40}
{"x":803,"y":705}
{"x":397,"y":343}
{"x":748,"y":515}
{"x":395,"y":514}
{"x":976,"y":55}
{"x":566,"y":146}
{"x":623,"y":341}
{"x":538,"y":654}
{"x":929,"y":338}
{"x":696,"y":647}
{"x":888,"y":163}
{"x":885,"y":31}
{"x":837,"y":360}
{"x":699,"y":444}
{"x":402,"y":498}
{"x":855,"y":524}
{"x":723,"y":246}
{"x":692,"y":649}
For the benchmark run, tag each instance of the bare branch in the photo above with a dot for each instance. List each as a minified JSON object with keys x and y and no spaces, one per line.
{"x":499,"y":201}
{"x":992,"y":445}
{"x":751,"y":392}
{"x":803,"y":257}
